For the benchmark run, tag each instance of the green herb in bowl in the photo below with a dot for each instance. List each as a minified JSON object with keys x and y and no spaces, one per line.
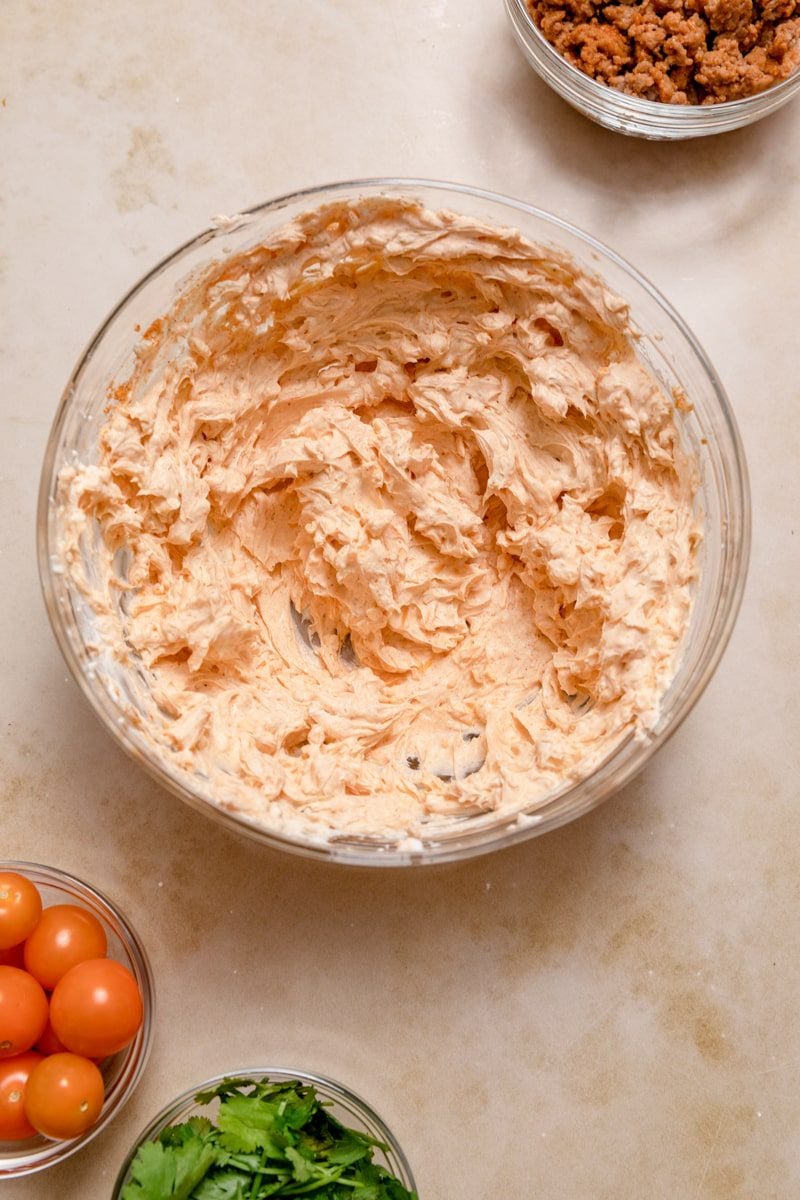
{"x":267,"y":1138}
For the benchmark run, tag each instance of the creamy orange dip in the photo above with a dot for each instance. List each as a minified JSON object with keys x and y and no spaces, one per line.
{"x":406,"y":525}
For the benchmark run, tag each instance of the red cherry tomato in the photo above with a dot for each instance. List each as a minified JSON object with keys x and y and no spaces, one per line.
{"x":20,"y":908}
{"x":14,"y":1072}
{"x":65,"y":936}
{"x":23,"y":1011}
{"x":96,"y":1009}
{"x":13,"y":957}
{"x":64,"y":1095}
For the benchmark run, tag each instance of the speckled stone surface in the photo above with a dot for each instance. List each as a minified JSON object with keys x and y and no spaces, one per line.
{"x":606,"y":1013}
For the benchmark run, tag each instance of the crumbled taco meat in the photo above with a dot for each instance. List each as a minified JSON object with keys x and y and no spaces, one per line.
{"x":677,"y":51}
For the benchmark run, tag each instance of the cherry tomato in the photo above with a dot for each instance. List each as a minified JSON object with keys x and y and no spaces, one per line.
{"x":96,"y":1009}
{"x":65,"y":936}
{"x":14,"y":1072}
{"x":48,"y":1043}
{"x":13,"y":957}
{"x":23,"y":1011}
{"x":20,"y":908}
{"x":64,"y":1095}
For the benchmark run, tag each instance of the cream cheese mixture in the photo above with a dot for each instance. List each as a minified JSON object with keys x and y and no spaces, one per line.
{"x":396,"y":521}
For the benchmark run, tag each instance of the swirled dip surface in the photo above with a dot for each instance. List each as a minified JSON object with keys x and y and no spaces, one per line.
{"x":407,"y":528}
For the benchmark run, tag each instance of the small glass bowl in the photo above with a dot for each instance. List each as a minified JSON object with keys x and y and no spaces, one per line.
{"x":346,"y":1106}
{"x":666,"y":348}
{"x":121,"y":1072}
{"x":633,"y":115}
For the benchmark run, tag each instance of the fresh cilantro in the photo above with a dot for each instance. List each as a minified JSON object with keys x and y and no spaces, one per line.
{"x":171,"y":1170}
{"x":269,"y":1139}
{"x":246,"y":1123}
{"x":224,"y":1185}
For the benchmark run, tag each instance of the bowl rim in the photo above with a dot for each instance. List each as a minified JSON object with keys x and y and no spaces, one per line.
{"x":687,"y":114}
{"x":140,"y":1047}
{"x":326,"y":1084}
{"x":518,"y":826}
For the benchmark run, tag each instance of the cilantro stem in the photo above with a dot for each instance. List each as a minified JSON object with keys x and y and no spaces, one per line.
{"x":259,"y":1175}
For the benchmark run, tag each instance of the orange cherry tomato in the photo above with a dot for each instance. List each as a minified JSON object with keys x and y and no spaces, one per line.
{"x":65,"y":936}
{"x":96,"y":1008}
{"x":13,"y":957}
{"x":20,"y":908}
{"x":64,"y":1095}
{"x":48,"y":1043}
{"x":23,"y":1011}
{"x":14,"y":1072}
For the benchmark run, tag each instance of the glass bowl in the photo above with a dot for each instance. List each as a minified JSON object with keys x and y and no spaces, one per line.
{"x":667,"y":349}
{"x":121,"y":1072}
{"x":633,"y":115}
{"x":346,"y":1106}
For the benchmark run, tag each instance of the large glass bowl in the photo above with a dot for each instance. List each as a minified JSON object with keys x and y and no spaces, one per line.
{"x":634,"y":115}
{"x":667,"y":348}
{"x":346,"y":1106}
{"x":122,"y":1072}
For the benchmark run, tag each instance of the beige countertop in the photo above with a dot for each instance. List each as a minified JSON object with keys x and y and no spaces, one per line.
{"x":606,"y":1013}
